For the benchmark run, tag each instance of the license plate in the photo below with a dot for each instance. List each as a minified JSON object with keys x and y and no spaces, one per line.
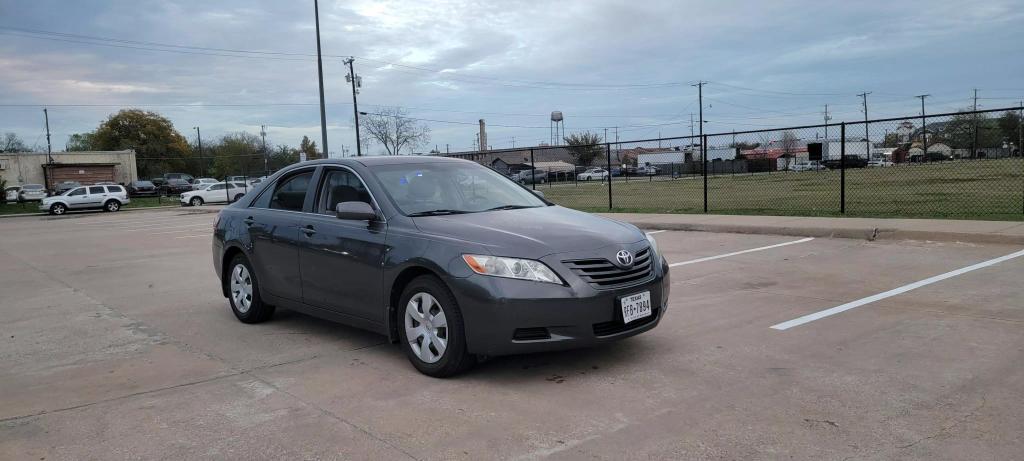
{"x":636,"y":306}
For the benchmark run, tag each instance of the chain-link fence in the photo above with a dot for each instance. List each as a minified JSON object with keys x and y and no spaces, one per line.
{"x":958,"y":165}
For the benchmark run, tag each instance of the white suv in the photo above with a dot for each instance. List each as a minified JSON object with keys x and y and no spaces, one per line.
{"x":108,"y":198}
{"x":215,"y":193}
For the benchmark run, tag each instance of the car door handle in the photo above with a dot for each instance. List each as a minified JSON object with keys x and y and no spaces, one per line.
{"x":308,"y":230}
{"x":248,"y":221}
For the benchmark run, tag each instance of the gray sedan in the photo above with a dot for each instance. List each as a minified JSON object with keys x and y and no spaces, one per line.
{"x":448,"y":258}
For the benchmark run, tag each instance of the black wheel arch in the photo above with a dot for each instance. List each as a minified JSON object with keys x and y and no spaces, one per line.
{"x":406,"y":275}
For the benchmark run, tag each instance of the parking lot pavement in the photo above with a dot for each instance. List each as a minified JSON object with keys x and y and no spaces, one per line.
{"x":118,"y":344}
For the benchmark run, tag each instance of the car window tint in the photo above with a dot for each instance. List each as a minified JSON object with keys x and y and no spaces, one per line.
{"x":291,"y":193}
{"x":216,"y":187}
{"x":79,"y":191}
{"x":97,"y":190}
{"x":341,"y":186}
{"x":114,"y":189}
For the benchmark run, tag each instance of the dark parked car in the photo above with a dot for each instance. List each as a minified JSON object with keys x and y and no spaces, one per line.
{"x":65,"y":186}
{"x":185,"y":176}
{"x":142,"y":189}
{"x":175,"y":186}
{"x":446,"y":257}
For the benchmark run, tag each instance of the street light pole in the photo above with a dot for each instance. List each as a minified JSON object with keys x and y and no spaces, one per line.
{"x":320,"y":76}
{"x":202,"y":165}
{"x":924,"y":127}
{"x":263,"y":134}
{"x":356,"y":81}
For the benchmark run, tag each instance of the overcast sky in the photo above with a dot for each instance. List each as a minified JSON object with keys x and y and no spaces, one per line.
{"x":602,"y":63}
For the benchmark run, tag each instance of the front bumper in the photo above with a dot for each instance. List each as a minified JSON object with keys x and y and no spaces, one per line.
{"x":534,"y":317}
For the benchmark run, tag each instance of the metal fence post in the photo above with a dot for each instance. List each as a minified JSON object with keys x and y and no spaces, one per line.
{"x":608,"y":150}
{"x":533,"y":172}
{"x":704,"y":168}
{"x":842,"y":168}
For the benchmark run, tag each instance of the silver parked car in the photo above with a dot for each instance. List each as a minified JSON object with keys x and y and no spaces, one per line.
{"x":107,"y":198}
{"x":31,"y":193}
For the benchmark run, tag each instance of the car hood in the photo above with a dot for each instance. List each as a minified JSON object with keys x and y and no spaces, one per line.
{"x":532,"y":232}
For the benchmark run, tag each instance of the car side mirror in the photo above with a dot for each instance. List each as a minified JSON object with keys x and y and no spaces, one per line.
{"x":539,"y":193}
{"x":355,"y":211}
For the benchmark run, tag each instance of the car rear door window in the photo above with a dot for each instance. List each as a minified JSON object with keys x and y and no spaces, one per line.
{"x":290,"y":193}
{"x":341,"y":186}
{"x":97,"y":190}
{"x":114,"y":189}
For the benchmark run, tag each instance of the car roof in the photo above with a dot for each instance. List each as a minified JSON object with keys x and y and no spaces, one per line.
{"x":387,"y":160}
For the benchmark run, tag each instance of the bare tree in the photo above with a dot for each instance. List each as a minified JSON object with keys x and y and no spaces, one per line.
{"x":789,"y":144}
{"x":10,"y":142}
{"x":391,"y":128}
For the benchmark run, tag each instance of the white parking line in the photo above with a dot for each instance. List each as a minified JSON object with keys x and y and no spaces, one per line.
{"x":656,"y":232}
{"x":895,"y":291}
{"x":710,"y":258}
{"x":168,"y":226}
{"x":180,"y":230}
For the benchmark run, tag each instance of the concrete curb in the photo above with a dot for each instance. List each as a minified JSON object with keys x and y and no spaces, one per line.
{"x":148,"y":208}
{"x":865,"y":233}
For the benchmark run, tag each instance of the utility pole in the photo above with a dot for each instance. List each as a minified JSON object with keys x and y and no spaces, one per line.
{"x":514,"y":138}
{"x":202,"y":165}
{"x":867,"y":138}
{"x":1020,"y":130}
{"x":924,"y":127}
{"x":605,"y":135}
{"x":974,"y":143}
{"x":356,"y":81}
{"x":49,"y":150}
{"x":263,"y":134}
{"x":691,"y":128}
{"x":828,"y":118}
{"x":320,"y":76}
{"x":700,"y":115}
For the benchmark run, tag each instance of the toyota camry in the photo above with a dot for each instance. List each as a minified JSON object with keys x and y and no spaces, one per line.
{"x":446,"y":257}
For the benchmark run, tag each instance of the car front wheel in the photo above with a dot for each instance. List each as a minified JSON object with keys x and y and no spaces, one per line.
{"x":196,"y":201}
{"x":58,"y":209}
{"x":431,"y":330}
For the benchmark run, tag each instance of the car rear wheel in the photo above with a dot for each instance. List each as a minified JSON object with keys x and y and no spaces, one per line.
{"x":244,"y":294}
{"x":431,"y":330}
{"x":237,"y":197}
{"x":112,"y":205}
{"x":196,"y":201}
{"x":58,"y":209}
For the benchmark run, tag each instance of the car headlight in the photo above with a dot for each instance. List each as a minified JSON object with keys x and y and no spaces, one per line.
{"x":513,"y":268}
{"x":654,"y":247}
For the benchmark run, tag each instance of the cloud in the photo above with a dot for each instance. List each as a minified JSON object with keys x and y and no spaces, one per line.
{"x":508,"y":57}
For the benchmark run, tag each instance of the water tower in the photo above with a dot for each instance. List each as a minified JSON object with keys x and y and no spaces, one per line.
{"x":557,"y":122}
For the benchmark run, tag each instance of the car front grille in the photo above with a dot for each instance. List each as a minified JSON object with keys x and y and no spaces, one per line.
{"x":616,"y":326}
{"x":530,"y":334}
{"x":603,"y":275}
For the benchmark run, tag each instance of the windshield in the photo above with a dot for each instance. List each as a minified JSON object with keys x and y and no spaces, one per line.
{"x":449,"y":188}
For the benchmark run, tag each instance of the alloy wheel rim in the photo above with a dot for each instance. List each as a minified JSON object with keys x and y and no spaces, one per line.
{"x":113,"y":206}
{"x":426,"y":327}
{"x":196,"y":202}
{"x":241,"y":288}
{"x":59,"y":209}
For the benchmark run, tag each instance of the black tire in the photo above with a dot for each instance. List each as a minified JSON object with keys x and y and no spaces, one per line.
{"x":196,"y":201}
{"x":258,"y":311}
{"x":455,"y":359}
{"x":237,"y":198}
{"x":112,"y":206}
{"x":58,"y":209}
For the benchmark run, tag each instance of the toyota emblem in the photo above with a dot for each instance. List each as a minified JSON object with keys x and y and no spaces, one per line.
{"x":624,"y":257}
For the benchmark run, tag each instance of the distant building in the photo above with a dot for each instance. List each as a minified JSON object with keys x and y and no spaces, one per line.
{"x":510,"y":160}
{"x":85,"y":167}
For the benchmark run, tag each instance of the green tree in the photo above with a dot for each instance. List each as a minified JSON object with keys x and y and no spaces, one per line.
{"x":158,"y":145}
{"x":282,"y":156}
{"x":79,"y":142}
{"x":12,"y":143}
{"x":1009,"y":124}
{"x":309,"y":147}
{"x":237,"y":154}
{"x":959,"y":132}
{"x":584,"y":147}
